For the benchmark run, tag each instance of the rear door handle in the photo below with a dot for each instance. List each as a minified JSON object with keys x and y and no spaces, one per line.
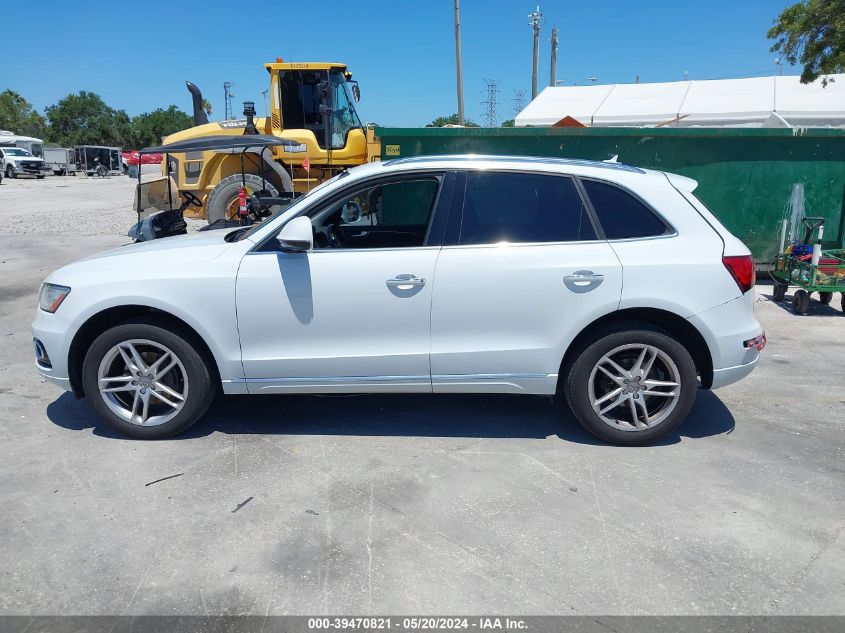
{"x":583,"y":280}
{"x":404,"y":282}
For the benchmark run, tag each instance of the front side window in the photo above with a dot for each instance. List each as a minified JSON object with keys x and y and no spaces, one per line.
{"x":516,"y":207}
{"x":620,"y":214}
{"x":388,"y":215}
{"x":344,"y":117}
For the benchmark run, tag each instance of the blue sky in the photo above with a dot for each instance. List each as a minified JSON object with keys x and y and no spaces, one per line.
{"x":402,"y":52}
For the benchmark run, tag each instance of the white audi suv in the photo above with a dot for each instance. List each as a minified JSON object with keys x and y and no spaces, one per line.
{"x":609,"y":286}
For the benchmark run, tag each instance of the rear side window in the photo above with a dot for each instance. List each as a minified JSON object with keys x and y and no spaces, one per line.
{"x":620,"y":214}
{"x":513,"y":207}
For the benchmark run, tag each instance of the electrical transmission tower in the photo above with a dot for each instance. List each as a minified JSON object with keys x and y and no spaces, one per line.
{"x":518,"y":101}
{"x":490,"y":98}
{"x":227,"y":100}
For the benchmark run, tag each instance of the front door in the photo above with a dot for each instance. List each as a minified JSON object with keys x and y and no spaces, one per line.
{"x":353,"y":314}
{"x":524,"y":273}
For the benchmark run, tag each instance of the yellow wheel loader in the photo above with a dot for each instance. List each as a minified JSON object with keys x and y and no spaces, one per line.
{"x":312,"y":104}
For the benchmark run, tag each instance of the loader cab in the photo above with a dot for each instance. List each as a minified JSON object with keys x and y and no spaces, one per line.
{"x":319,"y":98}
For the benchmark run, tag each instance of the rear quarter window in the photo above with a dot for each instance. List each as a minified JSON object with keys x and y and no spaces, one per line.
{"x":621,"y":215}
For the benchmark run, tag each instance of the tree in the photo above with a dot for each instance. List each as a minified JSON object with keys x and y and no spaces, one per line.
{"x":149,"y":128}
{"x":508,"y":123}
{"x":17,"y":115}
{"x":206,"y":105}
{"x":812,"y":32}
{"x":85,"y":119}
{"x":452,"y":119}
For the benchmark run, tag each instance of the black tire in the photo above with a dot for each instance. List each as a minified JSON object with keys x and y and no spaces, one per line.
{"x":842,"y":301}
{"x":225,"y":193}
{"x":800,"y":301}
{"x":183,"y":345}
{"x":577,"y":389}
{"x":40,"y":177}
{"x":826,"y":297}
{"x":10,"y":172}
{"x":779,"y":291}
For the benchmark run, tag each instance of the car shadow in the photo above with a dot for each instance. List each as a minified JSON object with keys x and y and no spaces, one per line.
{"x":401,"y":415}
{"x":815,"y":308}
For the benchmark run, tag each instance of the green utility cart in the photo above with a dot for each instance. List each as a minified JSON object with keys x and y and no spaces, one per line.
{"x":795,"y":267}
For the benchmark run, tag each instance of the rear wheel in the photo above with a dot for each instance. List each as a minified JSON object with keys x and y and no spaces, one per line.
{"x":223,"y":200}
{"x":146,"y":381}
{"x":800,"y":301}
{"x":826,"y":297}
{"x":632,"y":386}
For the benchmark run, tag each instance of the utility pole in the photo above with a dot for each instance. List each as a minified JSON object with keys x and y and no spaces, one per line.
{"x":460,"y":71}
{"x":264,"y":94}
{"x":489,"y":102}
{"x":553,"y":69}
{"x":534,"y":21}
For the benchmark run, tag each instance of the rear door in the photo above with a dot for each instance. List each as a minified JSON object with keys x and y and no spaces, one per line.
{"x":522,"y":272}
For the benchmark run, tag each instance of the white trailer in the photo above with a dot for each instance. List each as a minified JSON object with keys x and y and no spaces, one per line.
{"x":60,"y":160}
{"x":31,"y":144}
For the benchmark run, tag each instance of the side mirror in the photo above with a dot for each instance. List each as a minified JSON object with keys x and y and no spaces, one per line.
{"x":297,"y":236}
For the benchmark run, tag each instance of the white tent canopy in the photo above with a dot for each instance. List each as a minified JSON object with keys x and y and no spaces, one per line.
{"x":714,"y":103}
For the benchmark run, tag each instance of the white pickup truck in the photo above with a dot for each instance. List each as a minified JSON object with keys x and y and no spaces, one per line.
{"x":15,"y":161}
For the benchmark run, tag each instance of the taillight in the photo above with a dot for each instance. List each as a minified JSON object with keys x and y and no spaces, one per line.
{"x":741,"y":268}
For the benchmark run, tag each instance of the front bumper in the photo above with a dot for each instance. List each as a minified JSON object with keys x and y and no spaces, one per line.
{"x":21,"y":170}
{"x":51,"y":330}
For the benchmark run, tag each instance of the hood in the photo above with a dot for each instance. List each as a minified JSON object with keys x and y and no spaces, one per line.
{"x":183,"y":255}
{"x":206,"y":244}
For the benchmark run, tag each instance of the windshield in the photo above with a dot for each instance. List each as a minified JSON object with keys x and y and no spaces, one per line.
{"x":15,"y":151}
{"x":293,"y":206}
{"x":344,"y":116}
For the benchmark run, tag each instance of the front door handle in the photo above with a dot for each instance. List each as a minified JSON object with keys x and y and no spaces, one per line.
{"x":583,"y":281}
{"x":405,"y":282}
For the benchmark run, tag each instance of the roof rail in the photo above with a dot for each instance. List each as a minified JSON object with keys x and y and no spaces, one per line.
{"x":515,"y":159}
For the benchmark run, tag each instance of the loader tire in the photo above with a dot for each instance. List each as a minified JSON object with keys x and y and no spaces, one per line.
{"x":223,"y":199}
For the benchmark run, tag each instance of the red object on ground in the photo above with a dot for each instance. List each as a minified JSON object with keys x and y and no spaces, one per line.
{"x":132,"y":157}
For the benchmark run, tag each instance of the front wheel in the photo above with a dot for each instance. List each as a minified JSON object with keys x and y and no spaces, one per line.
{"x":800,"y":301}
{"x":826,"y":297}
{"x":779,"y":291}
{"x":10,"y":172}
{"x":146,"y":381}
{"x":631,"y":386}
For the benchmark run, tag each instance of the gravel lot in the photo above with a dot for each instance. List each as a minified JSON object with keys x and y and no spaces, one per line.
{"x":409,"y":504}
{"x":71,"y":205}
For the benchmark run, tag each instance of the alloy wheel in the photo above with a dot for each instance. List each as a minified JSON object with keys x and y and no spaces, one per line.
{"x":143,"y":382}
{"x":634,"y":387}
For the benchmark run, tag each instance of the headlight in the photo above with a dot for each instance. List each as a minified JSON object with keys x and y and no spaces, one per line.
{"x":51,"y":297}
